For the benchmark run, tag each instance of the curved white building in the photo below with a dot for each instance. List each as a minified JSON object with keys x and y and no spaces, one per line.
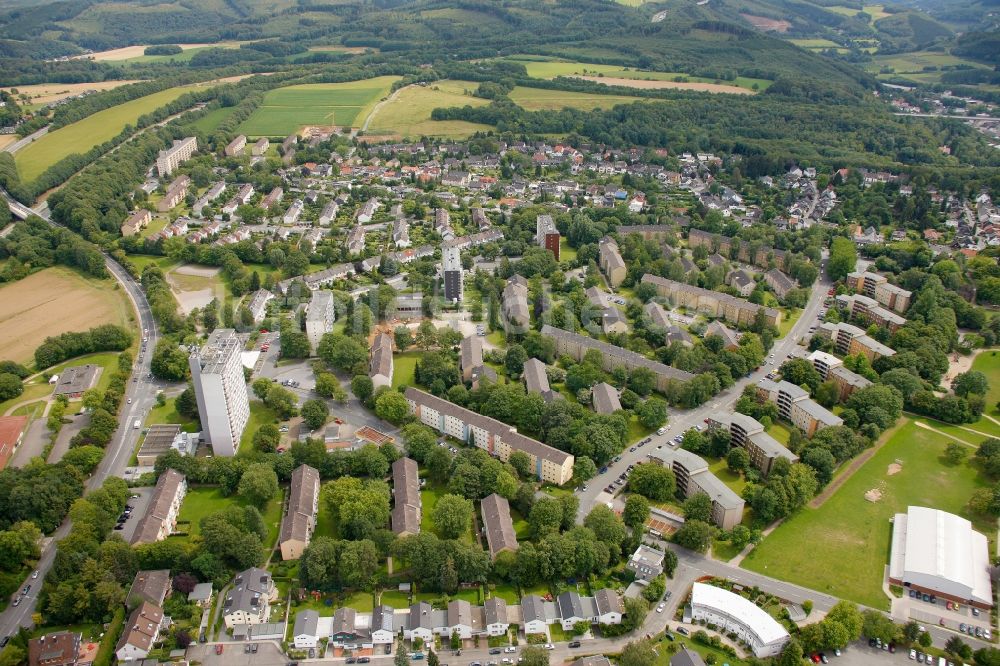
{"x":734,"y":614}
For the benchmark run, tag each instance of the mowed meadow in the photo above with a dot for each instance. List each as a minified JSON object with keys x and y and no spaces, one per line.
{"x":287,"y":110}
{"x":81,"y":136}
{"x":53,"y":301}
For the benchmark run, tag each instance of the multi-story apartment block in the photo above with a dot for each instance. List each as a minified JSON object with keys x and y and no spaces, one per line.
{"x":546,"y":234}
{"x":878,"y":287}
{"x":847,"y":381}
{"x":164,"y":507}
{"x":210,"y":195}
{"x":795,"y":406}
{"x":657,"y":232}
{"x":407,"y":505}
{"x":451,"y":264}
{"x":319,"y":317}
{"x":380,"y":362}
{"x":868,"y":310}
{"x":824,"y":362}
{"x":136,"y":222}
{"x":181,"y":151}
{"x":174,"y":195}
{"x":221,"y":391}
{"x":260,"y":147}
{"x":693,"y":477}
{"x":611,"y":261}
{"x":514,"y":310}
{"x":236,"y":146}
{"x":299,"y":520}
{"x":577,"y":345}
{"x":750,"y":253}
{"x":713,"y":303}
{"x":273,"y":197}
{"x":497,"y":438}
{"x":536,"y":380}
{"x":849,"y":339}
{"x":748,"y":433}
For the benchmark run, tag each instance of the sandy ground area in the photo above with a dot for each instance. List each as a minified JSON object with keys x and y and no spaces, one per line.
{"x":200,"y":271}
{"x":195,"y":286}
{"x":45,"y":93}
{"x":51,"y":302}
{"x":653,"y":85}
{"x":7,"y":139}
{"x":127,"y":52}
{"x":764,"y":23}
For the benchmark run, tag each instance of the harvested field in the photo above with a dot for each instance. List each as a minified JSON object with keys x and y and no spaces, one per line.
{"x":767,"y":24}
{"x":128,"y":52}
{"x":45,"y":93}
{"x":678,"y":85}
{"x":7,"y":139}
{"x":53,"y":301}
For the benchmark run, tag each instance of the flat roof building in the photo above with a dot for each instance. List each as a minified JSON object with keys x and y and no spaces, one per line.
{"x":179,"y":152}
{"x":693,"y":477}
{"x":319,"y":317}
{"x":221,"y":391}
{"x":796,"y":407}
{"x":735,"y":614}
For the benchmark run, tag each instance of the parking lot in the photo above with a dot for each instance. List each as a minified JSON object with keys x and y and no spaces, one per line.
{"x":139,"y":506}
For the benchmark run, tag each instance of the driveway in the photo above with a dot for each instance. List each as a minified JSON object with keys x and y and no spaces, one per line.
{"x":33,"y":445}
{"x":139,"y":507}
{"x":69,"y":430}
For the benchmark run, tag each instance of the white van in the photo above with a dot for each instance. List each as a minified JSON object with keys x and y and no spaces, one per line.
{"x":137,"y":424}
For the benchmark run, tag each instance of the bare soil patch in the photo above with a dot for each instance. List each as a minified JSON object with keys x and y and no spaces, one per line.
{"x":678,"y":85}
{"x":53,"y":301}
{"x":764,"y":23}
{"x":874,"y":495}
{"x":894,"y":468}
{"x":7,"y":139}
{"x":127,"y":52}
{"x":45,"y":93}
{"x":195,"y":286}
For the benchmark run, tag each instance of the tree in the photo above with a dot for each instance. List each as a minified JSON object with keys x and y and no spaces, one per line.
{"x":326,"y":384}
{"x":392,"y":407}
{"x":607,"y":527}
{"x":401,"y":658}
{"x":698,"y":507}
{"x":521,"y":462}
{"x":925,"y":640}
{"x":966,"y":383}
{"x":294,"y":343}
{"x":341,"y":351}
{"x":955,"y":453}
{"x":694,"y":535}
{"x":258,"y":484}
{"x":266,"y":438}
{"x":514,"y":360}
{"x":315,"y":413}
{"x":652,"y":481}
{"x":875,"y":624}
{"x":169,"y":361}
{"x":11,"y":386}
{"x":362,"y":387}
{"x":638,"y":653}
{"x":186,"y":403}
{"x":545,"y":516}
{"x":534,"y":655}
{"x":652,"y":412}
{"x":655,"y":589}
{"x":738,"y":460}
{"x":843,"y":258}
{"x":636,"y":511}
{"x":452,"y":515}
{"x":792,"y":654}
{"x":801,"y":372}
{"x":281,"y":400}
{"x":955,"y":645}
{"x":584,"y":469}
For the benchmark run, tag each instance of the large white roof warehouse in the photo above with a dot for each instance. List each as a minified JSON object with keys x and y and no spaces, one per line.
{"x":939,"y":553}
{"x":738,"y":615}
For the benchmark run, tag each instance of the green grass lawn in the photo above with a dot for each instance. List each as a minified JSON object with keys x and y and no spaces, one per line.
{"x":286,"y":110}
{"x":32,"y":392}
{"x":663,"y":652}
{"x":259,"y":415}
{"x":842,"y":547}
{"x":81,"y":136}
{"x":506,"y":592}
{"x":325,"y":525}
{"x":540,"y":99}
{"x":988,"y":363}
{"x":213,"y":119}
{"x":788,"y":318}
{"x":495,"y":338}
{"x":730,"y":478}
{"x":395,"y":598}
{"x":636,"y":430}
{"x":203,"y":500}
{"x":403,"y":367}
{"x":142,"y":260}
{"x":408,"y":114}
{"x":362,"y":602}
{"x":780,"y":432}
{"x":429,"y":496}
{"x":168,"y":414}
{"x":566,"y":253}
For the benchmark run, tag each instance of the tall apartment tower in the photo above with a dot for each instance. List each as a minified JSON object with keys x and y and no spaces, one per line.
{"x":319,"y":317}
{"x":221,"y":391}
{"x":546,"y":234}
{"x":171,"y":158}
{"x":451,"y":261}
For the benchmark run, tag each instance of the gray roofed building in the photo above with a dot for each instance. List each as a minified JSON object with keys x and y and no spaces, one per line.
{"x":72,"y":382}
{"x":536,"y":380}
{"x":693,"y":476}
{"x":728,"y":335}
{"x":713,"y":303}
{"x":686,"y":657}
{"x":164,"y":506}
{"x":299,"y":520}
{"x":795,"y":405}
{"x":533,"y":614}
{"x":571,"y":609}
{"x":742,"y":282}
{"x":678,"y":334}
{"x":406,"y":510}
{"x":380,"y":367}
{"x":498,"y":524}
{"x":495,"y":612}
{"x":248,"y":600}
{"x":646,"y":563}
{"x":598,"y":298}
{"x":745,"y":431}
{"x":150,"y":585}
{"x":656,"y":314}
{"x":577,"y":345}
{"x":779,"y":283}
{"x":611,"y":261}
{"x":464,"y":618}
{"x":420,"y":620}
{"x":613,"y":321}
{"x":608,"y":601}
{"x":605,"y":398}
{"x":470,"y":356}
{"x":201,"y":594}
{"x":593,"y":660}
{"x":345,"y":626}
{"x":158,"y":440}
{"x":305,"y":632}
{"x":514,"y":310}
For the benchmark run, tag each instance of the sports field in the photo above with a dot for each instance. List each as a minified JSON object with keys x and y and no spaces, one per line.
{"x":408,"y":112}
{"x":538,"y":99}
{"x":842,"y":547}
{"x":287,"y":110}
{"x":53,"y":301}
{"x":550,"y":69}
{"x":81,"y":136}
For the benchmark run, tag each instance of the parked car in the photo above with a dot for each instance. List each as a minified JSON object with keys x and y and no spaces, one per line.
{"x":683,"y":631}
{"x":574,"y":644}
{"x":218,"y":648}
{"x":364,"y":660}
{"x":659,"y":609}
{"x":510,"y":650}
{"x":495,"y":651}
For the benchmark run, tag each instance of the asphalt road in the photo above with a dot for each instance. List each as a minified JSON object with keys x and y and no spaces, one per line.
{"x":140,"y":397}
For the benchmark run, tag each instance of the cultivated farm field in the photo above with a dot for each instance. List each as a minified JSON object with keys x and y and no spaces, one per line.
{"x":287,"y":110}
{"x":408,"y":112}
{"x":53,"y":301}
{"x":539,"y":99}
{"x":842,"y":547}
{"x":45,"y":93}
{"x":81,"y":136}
